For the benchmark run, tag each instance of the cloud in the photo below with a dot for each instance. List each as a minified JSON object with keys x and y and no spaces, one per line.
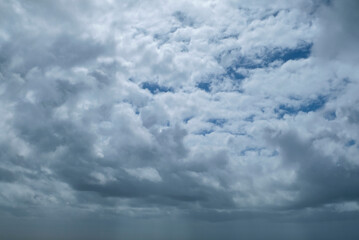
{"x":201,"y":112}
{"x":321,"y":180}
{"x":338,"y":33}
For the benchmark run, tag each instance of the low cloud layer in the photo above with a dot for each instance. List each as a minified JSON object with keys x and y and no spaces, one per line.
{"x":182,"y":119}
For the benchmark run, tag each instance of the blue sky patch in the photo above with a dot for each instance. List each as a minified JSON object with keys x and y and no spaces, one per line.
{"x":269,"y":56}
{"x":205,"y":86}
{"x":218,"y":121}
{"x":310,"y":106}
{"x":230,"y":73}
{"x":204,"y":132}
{"x":155,"y":88}
{"x":313,"y":105}
{"x":233,"y":74}
{"x":285,"y":55}
{"x":350,"y":143}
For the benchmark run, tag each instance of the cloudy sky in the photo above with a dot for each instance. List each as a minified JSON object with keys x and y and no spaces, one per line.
{"x":216,"y":119}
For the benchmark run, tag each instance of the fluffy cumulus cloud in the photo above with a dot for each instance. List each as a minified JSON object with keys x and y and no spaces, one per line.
{"x":179,"y":119}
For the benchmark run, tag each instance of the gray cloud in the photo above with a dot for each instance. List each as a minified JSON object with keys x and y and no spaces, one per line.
{"x":321,"y":179}
{"x":338,"y":34}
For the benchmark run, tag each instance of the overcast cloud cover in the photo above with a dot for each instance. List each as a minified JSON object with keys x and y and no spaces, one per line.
{"x":217,"y":119}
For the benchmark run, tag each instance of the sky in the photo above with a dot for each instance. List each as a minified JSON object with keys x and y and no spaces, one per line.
{"x":182,"y":120}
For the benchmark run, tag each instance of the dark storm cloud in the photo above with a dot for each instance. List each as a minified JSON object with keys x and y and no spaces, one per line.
{"x":176,"y":187}
{"x":36,"y":125}
{"x":321,"y":179}
{"x":6,"y":175}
